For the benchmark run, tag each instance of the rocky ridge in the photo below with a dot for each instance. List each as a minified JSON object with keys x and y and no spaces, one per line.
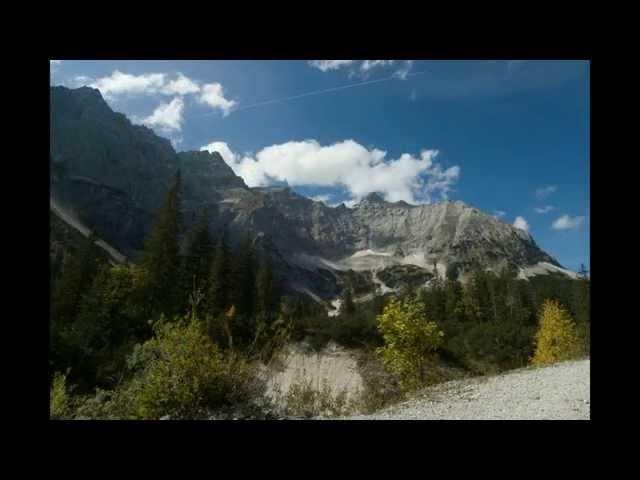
{"x":114,"y":174}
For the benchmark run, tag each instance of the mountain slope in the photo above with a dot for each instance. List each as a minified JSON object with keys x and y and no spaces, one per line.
{"x":114,"y":175}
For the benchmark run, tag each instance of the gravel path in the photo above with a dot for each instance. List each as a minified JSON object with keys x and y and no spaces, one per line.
{"x":556,"y":392}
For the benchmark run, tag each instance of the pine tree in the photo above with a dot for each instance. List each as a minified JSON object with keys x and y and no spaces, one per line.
{"x":198,"y":256}
{"x":219,"y":293}
{"x":77,"y":273}
{"x":265,"y":294}
{"x":348,"y":306}
{"x":453,"y":301}
{"x":161,"y":256}
{"x":244,"y":279}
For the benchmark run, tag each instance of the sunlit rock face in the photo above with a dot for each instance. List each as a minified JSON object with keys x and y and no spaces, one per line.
{"x":114,"y":175}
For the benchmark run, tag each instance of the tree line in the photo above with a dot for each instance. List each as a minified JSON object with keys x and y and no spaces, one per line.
{"x":99,"y":312}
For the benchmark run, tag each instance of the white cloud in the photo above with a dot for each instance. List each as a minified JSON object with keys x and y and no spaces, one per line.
{"x":325,"y":65}
{"x":544,"y":192}
{"x":403,"y":72}
{"x":181,"y":86}
{"x":363,"y":66}
{"x":81,"y":79}
{"x":521,"y":223}
{"x":223,"y":149}
{"x":346,"y":164}
{"x":566,"y":222}
{"x":119,"y":83}
{"x":213,"y":95}
{"x":545,"y":209}
{"x":167,"y":116}
{"x":367,"y":65}
{"x":499,"y":213}
{"x":322,"y":198}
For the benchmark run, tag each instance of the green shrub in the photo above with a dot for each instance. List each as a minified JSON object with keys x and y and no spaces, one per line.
{"x":60,"y":403}
{"x":304,"y":400}
{"x":183,"y":372}
{"x":409,"y":339}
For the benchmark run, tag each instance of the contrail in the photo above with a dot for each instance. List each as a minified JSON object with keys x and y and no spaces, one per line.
{"x":320,"y":92}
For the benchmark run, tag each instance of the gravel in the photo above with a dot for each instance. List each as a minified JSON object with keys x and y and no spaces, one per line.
{"x":556,"y":392}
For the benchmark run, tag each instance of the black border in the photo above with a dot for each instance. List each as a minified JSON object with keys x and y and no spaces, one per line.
{"x":333,"y":431}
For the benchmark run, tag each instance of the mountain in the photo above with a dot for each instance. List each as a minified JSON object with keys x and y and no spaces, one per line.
{"x":113,"y":175}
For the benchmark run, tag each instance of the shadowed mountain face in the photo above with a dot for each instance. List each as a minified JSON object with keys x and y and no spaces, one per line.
{"x":113,"y":176}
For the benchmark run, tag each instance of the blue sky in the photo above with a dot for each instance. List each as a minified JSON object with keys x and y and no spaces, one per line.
{"x":508,"y":137}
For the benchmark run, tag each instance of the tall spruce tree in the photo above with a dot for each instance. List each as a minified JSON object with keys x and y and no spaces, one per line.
{"x":161,"y":255}
{"x":198,"y":256}
{"x":265,"y":292}
{"x":78,"y":271}
{"x":219,"y":292}
{"x":244,"y":291}
{"x":348,"y":306}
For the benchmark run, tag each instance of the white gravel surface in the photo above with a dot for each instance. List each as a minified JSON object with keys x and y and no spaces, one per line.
{"x":555,"y":392}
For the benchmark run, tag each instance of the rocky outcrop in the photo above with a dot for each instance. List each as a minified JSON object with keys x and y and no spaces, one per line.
{"x":114,"y":175}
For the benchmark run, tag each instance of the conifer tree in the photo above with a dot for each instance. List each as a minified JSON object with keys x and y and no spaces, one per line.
{"x":198,"y":256}
{"x":265,"y":294}
{"x":78,"y":271}
{"x":348,"y":305}
{"x":244,"y":281}
{"x":219,"y":293}
{"x":161,"y":256}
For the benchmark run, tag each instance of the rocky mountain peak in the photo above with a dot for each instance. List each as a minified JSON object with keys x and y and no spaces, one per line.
{"x":115,"y":175}
{"x":372,"y":198}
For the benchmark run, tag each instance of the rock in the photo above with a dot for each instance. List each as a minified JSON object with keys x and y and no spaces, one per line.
{"x":114,"y":175}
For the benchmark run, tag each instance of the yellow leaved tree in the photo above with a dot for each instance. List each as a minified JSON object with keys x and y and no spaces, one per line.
{"x":557,"y":338}
{"x":409,"y":340}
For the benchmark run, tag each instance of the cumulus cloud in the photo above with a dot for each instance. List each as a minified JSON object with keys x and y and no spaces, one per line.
{"x":213,"y":95}
{"x":499,"y":213}
{"x":346,"y":164}
{"x":521,"y":223}
{"x":545,"y":209}
{"x":565,"y":222}
{"x":544,"y":192}
{"x":326,"y":65}
{"x":363,"y":67}
{"x":167,"y":117}
{"x":367,"y":65}
{"x":182,"y":85}
{"x":119,"y":83}
{"x":223,"y":149}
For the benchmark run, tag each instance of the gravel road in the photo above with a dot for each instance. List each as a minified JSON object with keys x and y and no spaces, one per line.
{"x":556,"y":392}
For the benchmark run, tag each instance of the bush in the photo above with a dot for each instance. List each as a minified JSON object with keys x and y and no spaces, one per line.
{"x":60,"y":404}
{"x":182,"y":373}
{"x":409,"y":339}
{"x":556,"y":339}
{"x":304,"y":400}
